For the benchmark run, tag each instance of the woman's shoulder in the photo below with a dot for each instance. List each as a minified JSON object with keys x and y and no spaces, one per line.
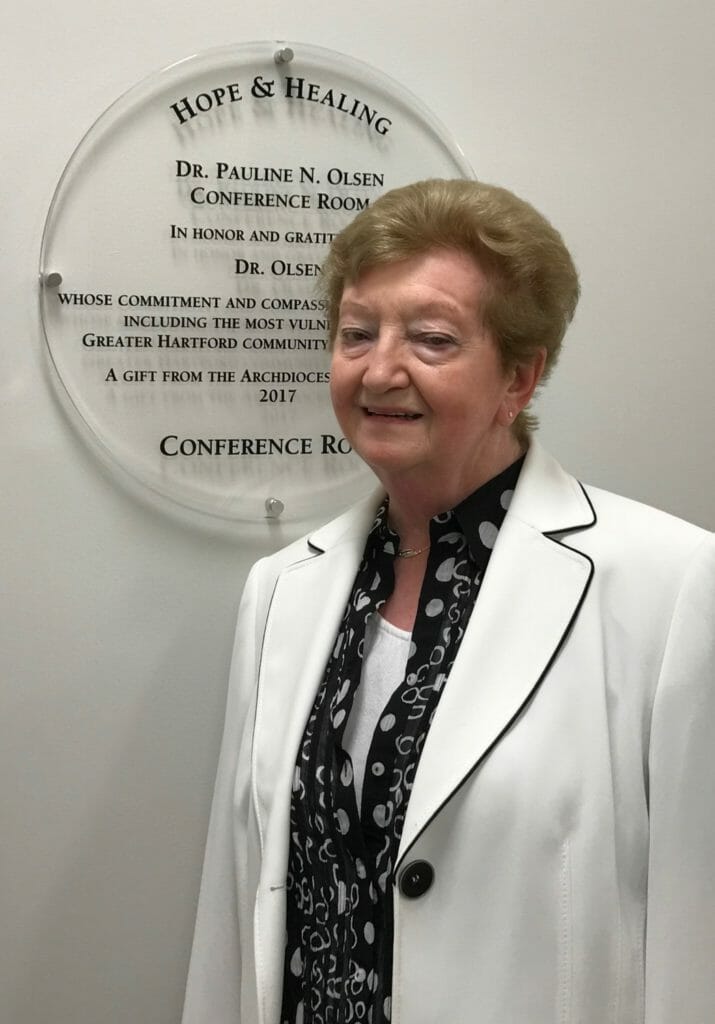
{"x":627,"y":540}
{"x":647,"y":555}
{"x":640,"y":524}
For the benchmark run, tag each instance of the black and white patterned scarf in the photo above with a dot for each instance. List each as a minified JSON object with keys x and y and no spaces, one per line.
{"x":338,"y":961}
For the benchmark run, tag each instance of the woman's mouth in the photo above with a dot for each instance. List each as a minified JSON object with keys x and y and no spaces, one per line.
{"x":393,"y":414}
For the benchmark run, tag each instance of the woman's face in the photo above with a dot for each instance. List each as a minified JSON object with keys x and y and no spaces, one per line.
{"x":417,"y":382}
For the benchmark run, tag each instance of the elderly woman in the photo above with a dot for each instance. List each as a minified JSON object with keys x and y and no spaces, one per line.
{"x":468,"y":766}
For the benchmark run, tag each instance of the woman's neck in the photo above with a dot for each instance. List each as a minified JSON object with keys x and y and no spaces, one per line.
{"x":414,"y":501}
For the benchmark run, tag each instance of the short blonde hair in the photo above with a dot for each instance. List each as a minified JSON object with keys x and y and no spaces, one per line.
{"x":533,"y":284}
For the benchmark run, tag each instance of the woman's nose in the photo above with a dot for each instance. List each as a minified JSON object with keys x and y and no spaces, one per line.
{"x":386,"y":366}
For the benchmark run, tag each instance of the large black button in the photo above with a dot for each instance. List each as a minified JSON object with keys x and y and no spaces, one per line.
{"x":416,"y":878}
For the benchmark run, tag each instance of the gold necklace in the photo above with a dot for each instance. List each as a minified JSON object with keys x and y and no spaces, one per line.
{"x":411,"y":552}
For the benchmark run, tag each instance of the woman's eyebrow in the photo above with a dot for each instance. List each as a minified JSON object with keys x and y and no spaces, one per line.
{"x":430,"y":307}
{"x":353,"y":306}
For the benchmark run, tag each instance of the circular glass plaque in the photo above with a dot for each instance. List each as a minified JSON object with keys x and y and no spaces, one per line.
{"x":180,"y":260}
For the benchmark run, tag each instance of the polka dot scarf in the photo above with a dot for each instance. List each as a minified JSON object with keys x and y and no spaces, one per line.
{"x":338,"y":961}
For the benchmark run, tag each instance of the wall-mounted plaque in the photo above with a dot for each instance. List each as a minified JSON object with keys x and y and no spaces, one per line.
{"x":179,"y":267}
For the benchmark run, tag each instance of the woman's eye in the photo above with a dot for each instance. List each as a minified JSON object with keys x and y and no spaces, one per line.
{"x":353,"y":335}
{"x":436,"y":340}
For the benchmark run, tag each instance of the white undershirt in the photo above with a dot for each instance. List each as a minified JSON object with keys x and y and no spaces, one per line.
{"x":383,"y":669}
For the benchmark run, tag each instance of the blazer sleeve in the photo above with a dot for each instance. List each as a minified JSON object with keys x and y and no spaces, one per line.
{"x":680,"y":928}
{"x":214,"y":980}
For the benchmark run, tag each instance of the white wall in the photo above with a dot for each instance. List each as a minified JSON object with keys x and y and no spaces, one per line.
{"x":116,"y":614}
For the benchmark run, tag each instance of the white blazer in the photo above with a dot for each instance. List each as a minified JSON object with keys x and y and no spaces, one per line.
{"x":566,"y":793}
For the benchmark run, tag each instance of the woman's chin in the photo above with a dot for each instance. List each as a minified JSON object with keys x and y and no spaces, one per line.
{"x":387,"y":463}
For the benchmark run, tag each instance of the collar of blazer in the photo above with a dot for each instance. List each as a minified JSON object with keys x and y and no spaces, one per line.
{"x":531,"y":594}
{"x":547,"y":497}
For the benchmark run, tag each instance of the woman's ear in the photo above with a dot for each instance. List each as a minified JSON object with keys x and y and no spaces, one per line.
{"x":523,"y":381}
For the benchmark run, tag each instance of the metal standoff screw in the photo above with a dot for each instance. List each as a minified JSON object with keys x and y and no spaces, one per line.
{"x":274,"y":507}
{"x":284,"y":56}
{"x":52,"y":280}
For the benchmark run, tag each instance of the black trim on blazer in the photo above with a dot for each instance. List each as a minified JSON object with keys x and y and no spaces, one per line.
{"x":534,"y":688}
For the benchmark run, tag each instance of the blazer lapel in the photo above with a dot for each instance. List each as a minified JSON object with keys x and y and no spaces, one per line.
{"x":305,"y":613}
{"x":306,"y":609}
{"x":532,"y":591}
